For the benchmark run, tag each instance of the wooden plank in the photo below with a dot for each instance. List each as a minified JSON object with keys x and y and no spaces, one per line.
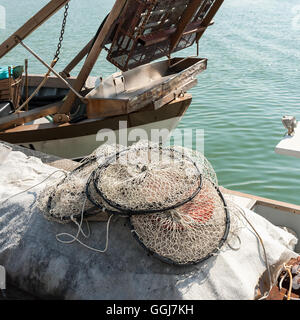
{"x":287,"y":207}
{"x":208,"y":18}
{"x":32,"y":24}
{"x":94,"y":54}
{"x":97,"y":108}
{"x":4,"y":87}
{"x":174,"y":94}
{"x":183,"y":23}
{"x":24,"y":117}
{"x":26,"y":84}
{"x":4,"y":84}
{"x":5,"y":97}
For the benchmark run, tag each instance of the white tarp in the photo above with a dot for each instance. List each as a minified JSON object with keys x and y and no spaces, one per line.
{"x":37,"y":263}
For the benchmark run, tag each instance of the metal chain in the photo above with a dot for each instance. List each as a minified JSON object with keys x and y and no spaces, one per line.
{"x":61,"y":38}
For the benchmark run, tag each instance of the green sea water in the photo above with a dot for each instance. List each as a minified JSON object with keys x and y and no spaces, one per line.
{"x":252,"y":80}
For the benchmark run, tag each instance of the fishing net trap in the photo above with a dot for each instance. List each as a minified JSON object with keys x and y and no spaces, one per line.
{"x":169,"y":195}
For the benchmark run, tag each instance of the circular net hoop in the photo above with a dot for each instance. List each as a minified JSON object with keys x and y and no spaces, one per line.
{"x":63,"y":200}
{"x":146,"y":180}
{"x":189,"y":234}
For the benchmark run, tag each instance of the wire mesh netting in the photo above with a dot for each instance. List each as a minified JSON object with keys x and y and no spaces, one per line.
{"x":145,"y":29}
{"x":143,"y":180}
{"x":63,"y":200}
{"x":188,"y":234}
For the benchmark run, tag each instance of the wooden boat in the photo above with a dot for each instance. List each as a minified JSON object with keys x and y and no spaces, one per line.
{"x":78,"y":138}
{"x":63,"y":114}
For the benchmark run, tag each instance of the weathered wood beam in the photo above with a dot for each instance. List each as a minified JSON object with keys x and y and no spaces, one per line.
{"x":94,"y":54}
{"x":283,"y":206}
{"x":210,"y":15}
{"x":32,"y":24}
{"x":183,"y":23}
{"x":20,"y":118}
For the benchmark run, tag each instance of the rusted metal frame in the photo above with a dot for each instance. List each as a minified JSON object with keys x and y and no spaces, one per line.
{"x":206,"y":4}
{"x":124,"y":33}
{"x":209,"y":16}
{"x":128,"y":33}
{"x":206,"y":7}
{"x":165,"y":20}
{"x":166,"y":17}
{"x":188,"y":39}
{"x":153,"y":13}
{"x":128,"y":57}
{"x":202,"y":10}
{"x":150,"y":56}
{"x":141,"y":28}
{"x":32,"y":24}
{"x":139,"y":51}
{"x":94,"y":54}
{"x":157,"y":37}
{"x":184,"y":22}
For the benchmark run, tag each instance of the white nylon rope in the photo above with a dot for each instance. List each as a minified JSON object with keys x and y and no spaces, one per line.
{"x":80,"y":230}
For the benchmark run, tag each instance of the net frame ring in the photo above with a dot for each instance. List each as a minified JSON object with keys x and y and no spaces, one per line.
{"x":164,"y":259}
{"x":89,"y":186}
{"x":128,"y":211}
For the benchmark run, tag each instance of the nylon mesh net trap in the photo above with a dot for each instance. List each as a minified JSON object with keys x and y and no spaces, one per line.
{"x":170,"y":196}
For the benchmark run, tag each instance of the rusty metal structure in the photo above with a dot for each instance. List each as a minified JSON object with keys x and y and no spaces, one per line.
{"x":151,"y":29}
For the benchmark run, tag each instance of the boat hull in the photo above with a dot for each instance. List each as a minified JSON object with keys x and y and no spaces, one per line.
{"x":75,"y":141}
